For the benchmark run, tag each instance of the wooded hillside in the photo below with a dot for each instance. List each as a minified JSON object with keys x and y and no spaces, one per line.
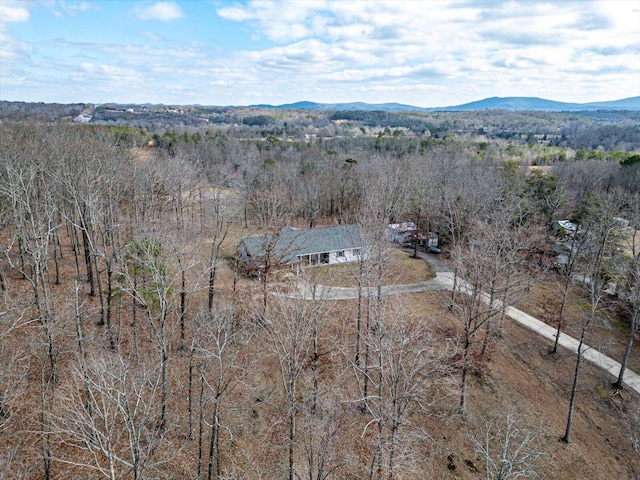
{"x":132,"y":344}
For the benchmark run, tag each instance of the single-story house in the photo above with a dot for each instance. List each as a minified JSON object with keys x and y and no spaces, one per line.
{"x":304,"y":246}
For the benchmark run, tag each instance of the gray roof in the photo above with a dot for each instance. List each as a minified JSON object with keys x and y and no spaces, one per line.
{"x":291,"y":242}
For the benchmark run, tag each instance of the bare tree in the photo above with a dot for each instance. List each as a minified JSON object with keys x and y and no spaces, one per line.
{"x":118,"y":433}
{"x":631,"y":418}
{"x":320,"y":433}
{"x":289,"y":329}
{"x":273,"y":211}
{"x":385,"y":199}
{"x":487,"y":270}
{"x":23,"y":185}
{"x":221,"y":346}
{"x":13,"y":381}
{"x":630,"y":290}
{"x":410,"y":377}
{"x":147,"y":258}
{"x":510,"y":449}
{"x":223,"y":212}
{"x":577,"y":242}
{"x":598,"y":221}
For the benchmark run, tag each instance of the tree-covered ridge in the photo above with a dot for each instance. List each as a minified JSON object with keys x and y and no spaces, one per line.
{"x":603,"y":130}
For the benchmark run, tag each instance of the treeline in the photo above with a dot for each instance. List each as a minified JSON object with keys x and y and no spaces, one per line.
{"x":601,"y":130}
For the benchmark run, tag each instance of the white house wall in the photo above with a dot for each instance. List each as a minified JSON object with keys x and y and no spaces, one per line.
{"x":349,"y":256}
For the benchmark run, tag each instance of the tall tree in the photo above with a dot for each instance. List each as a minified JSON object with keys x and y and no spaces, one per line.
{"x":629,"y":288}
{"x":412,"y":373}
{"x":601,"y":228}
{"x":289,"y":330}
{"x":155,"y":293}
{"x":222,"y":346}
{"x":510,"y":449}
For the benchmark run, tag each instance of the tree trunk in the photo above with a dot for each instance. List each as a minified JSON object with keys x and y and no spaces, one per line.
{"x":56,"y":246}
{"x":366,"y":354}
{"x":560,"y":314}
{"x":361,"y":269}
{"x":574,"y":386}
{"x":627,"y":352}
{"x":487,"y":331}
{"x":292,"y":431}
{"x":183,"y":305}
{"x":88,"y":262}
{"x":214,"y":458}
{"x":98,"y":276}
{"x":112,"y":342}
{"x":200,"y":419}
{"x":213,"y":270}
{"x":314,"y":403}
{"x":190,"y":395}
{"x":73,"y":236}
{"x":465,"y":373}
{"x":165,"y":386}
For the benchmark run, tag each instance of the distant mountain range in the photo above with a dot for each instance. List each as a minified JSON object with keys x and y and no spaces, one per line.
{"x":493,"y":103}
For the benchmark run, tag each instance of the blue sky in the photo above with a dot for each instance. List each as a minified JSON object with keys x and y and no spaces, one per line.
{"x":424,"y":53}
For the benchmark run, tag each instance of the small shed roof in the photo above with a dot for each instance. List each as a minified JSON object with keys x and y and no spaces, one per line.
{"x":567,"y":225}
{"x":402,"y":227}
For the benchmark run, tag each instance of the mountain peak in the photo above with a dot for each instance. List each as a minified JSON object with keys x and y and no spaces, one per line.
{"x":491,"y":103}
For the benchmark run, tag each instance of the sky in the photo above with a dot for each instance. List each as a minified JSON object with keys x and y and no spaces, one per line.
{"x":425,"y":53}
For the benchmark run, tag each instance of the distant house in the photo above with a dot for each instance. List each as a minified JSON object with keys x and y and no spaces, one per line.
{"x":307,"y":246}
{"x":400,"y":232}
{"x":408,"y":232}
{"x":565,"y":227}
{"x":83,"y":118}
{"x":621,"y":223}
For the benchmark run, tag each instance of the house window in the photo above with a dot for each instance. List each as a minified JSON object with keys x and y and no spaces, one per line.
{"x":340,"y":253}
{"x":305,"y":259}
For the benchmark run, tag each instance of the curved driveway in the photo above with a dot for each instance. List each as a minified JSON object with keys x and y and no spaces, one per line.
{"x":444,"y":281}
{"x":325,"y":292}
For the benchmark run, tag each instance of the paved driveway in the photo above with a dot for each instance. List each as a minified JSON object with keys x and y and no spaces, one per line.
{"x":444,"y":281}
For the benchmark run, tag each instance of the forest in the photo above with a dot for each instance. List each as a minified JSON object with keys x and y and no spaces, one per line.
{"x":134,"y":343}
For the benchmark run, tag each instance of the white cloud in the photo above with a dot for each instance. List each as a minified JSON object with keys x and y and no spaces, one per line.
{"x":12,"y":12}
{"x":164,"y":11}
{"x":74,"y":8}
{"x":424,"y":53}
{"x":107,"y":75}
{"x":13,"y":51}
{"x":396,"y":48}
